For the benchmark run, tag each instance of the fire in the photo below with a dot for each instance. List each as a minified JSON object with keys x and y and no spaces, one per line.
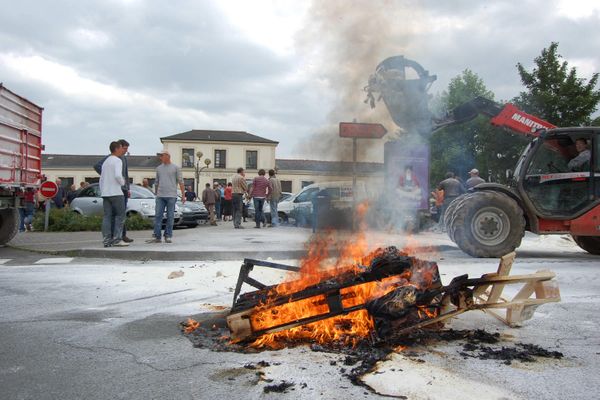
{"x":191,"y":325}
{"x":300,"y":309}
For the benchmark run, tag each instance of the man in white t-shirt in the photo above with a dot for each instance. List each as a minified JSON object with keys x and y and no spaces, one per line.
{"x":111,"y":181}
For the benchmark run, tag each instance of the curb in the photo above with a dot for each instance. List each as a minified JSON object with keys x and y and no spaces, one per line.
{"x":181,"y":255}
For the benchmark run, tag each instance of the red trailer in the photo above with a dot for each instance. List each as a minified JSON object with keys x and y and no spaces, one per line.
{"x":20,"y":156}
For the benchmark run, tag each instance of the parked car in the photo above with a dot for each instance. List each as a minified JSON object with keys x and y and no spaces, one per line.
{"x":267,"y":208}
{"x":192,"y":213}
{"x":141,"y":202}
{"x":299,"y":207}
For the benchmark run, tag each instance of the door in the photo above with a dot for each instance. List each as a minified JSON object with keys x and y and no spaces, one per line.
{"x":89,"y":201}
{"x":557,"y":181}
{"x":302,"y":211}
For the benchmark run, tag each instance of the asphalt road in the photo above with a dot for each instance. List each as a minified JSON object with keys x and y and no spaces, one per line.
{"x":108,"y":329}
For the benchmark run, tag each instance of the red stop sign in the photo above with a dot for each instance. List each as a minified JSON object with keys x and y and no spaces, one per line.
{"x":49,"y":189}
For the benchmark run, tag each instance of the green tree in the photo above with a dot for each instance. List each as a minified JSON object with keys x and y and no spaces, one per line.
{"x":474,"y":144}
{"x":555,"y":92}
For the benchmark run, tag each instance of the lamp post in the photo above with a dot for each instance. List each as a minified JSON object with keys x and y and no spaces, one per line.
{"x":200,"y":169}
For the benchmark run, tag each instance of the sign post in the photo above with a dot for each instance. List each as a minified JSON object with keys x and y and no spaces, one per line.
{"x":356,"y":130}
{"x":48,"y":189}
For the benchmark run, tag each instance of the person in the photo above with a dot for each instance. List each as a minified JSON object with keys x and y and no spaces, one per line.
{"x":111,"y":183}
{"x":582,"y":160}
{"x":71,"y":194}
{"x":59,"y":199}
{"x":475,"y":179}
{"x":190,"y":195}
{"x":321,"y":206}
{"x":209,"y":198}
{"x":216,"y":188}
{"x":409,"y":188}
{"x":83,"y":185}
{"x":227,"y":197}
{"x":26,"y":210}
{"x":274,"y":197}
{"x":261,"y":189}
{"x":452,"y":189}
{"x":126,"y":187}
{"x":168,"y":176}
{"x":146,"y":184}
{"x":239,"y":188}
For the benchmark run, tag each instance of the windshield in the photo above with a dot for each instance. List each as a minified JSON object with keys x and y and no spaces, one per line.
{"x":519,"y":165}
{"x":138,"y":192}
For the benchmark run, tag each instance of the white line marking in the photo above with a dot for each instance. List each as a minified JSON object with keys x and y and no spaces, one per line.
{"x":4,"y":260}
{"x":58,"y":260}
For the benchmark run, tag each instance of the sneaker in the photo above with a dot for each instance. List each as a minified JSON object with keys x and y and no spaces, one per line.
{"x":257,"y":227}
{"x":127,"y":239}
{"x":120,"y":243}
{"x":168,"y":240}
{"x":154,"y":240}
{"x":107,"y":244}
{"x":239,"y":227}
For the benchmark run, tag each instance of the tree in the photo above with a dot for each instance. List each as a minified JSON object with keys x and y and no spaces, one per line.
{"x":555,"y":93}
{"x":474,"y":144}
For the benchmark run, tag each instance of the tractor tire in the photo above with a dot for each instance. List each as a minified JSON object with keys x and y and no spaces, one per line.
{"x":488,"y":224}
{"x":591,"y":244}
{"x":448,"y":223}
{"x":9,"y":224}
{"x":450,"y":210}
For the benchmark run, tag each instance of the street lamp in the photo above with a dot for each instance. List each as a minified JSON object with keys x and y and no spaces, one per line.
{"x":199,"y":169}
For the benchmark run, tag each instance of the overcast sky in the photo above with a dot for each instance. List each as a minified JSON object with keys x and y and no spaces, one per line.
{"x":284,"y":70}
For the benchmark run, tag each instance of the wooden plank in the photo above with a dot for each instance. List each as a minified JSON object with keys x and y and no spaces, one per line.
{"x":504,"y":268}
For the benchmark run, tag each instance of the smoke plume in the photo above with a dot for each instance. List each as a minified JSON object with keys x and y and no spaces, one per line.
{"x":343,"y":41}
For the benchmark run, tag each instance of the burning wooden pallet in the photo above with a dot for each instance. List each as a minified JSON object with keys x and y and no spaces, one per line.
{"x":397,"y":293}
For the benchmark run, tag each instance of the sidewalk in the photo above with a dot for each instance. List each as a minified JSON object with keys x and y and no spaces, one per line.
{"x":204,"y":242}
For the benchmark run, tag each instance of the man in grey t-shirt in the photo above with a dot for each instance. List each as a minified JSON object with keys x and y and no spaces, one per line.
{"x":168,"y":176}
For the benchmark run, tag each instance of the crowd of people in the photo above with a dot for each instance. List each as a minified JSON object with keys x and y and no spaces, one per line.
{"x":450,"y":188}
{"x":231,"y":202}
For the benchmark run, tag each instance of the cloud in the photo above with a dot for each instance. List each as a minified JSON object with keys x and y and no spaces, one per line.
{"x":282,"y":70}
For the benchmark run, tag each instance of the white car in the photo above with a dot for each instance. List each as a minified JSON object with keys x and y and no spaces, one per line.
{"x":282,"y":212}
{"x":141,"y":202}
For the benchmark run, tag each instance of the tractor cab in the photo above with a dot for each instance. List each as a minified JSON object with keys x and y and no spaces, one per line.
{"x":560,"y":173}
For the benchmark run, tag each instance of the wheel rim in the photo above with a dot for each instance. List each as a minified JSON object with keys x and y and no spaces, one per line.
{"x":490,"y":226}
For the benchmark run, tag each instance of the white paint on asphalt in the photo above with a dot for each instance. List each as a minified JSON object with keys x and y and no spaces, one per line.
{"x":5,"y":260}
{"x":56,"y":261}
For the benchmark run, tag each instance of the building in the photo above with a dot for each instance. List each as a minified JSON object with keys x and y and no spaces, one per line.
{"x":214,"y":156}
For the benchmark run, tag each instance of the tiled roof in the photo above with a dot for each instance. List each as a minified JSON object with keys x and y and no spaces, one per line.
{"x":88,"y":161}
{"x":219,"y":136}
{"x":326,"y":166}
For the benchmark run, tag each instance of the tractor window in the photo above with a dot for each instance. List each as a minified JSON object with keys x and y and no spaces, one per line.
{"x":553,"y":183}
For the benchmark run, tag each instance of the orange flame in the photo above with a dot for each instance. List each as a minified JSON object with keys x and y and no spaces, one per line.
{"x":191,"y":325}
{"x":317,"y":267}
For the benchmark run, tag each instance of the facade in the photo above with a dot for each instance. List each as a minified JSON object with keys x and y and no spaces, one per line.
{"x":226,"y":150}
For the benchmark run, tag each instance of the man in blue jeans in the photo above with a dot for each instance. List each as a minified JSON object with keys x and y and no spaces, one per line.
{"x":168,"y":176}
{"x":111,"y":181}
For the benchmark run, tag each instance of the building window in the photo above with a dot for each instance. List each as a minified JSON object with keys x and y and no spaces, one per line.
{"x":92,"y":180}
{"x":286,"y":186}
{"x":222,"y":182}
{"x":66,"y":182}
{"x":306,"y":183}
{"x":251,"y":159}
{"x":187,"y":158}
{"x":220,"y":159}
{"x":189,"y":182}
